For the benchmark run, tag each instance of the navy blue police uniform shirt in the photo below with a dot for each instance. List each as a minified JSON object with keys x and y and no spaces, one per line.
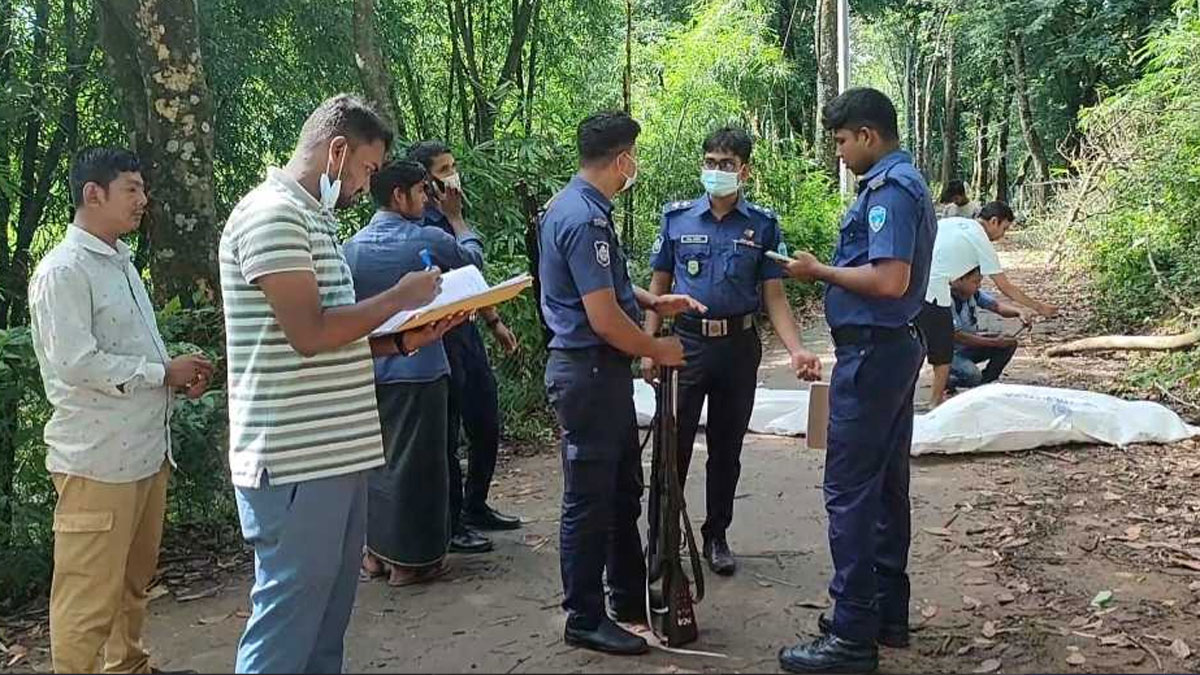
{"x":892,"y":218}
{"x":705,"y":261}
{"x":580,"y":254}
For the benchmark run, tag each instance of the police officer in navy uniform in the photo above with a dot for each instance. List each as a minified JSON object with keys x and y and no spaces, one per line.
{"x":592,"y":311}
{"x":711,"y":248}
{"x":874,"y":290}
{"x":474,"y":404}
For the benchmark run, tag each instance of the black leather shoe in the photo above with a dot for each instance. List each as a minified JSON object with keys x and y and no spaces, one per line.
{"x":607,"y":637}
{"x":466,"y":540}
{"x":491,"y":519}
{"x":895,"y":637}
{"x":720,"y":558}
{"x":830,"y":654}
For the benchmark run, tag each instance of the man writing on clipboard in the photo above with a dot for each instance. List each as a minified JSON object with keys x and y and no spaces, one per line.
{"x":408,"y":527}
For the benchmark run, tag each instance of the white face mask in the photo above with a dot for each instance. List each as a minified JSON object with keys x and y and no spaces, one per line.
{"x":453,"y":181}
{"x":720,"y":183}
{"x":630,"y":179}
{"x":331,"y":191}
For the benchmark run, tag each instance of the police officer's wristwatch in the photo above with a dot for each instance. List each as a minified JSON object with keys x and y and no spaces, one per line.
{"x":398,"y":338}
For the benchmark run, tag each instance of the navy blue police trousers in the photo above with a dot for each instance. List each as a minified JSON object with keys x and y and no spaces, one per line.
{"x":866,"y":482}
{"x":591,"y":391}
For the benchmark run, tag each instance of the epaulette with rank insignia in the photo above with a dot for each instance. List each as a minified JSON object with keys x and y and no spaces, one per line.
{"x":671,"y":207}
{"x":763,"y":210}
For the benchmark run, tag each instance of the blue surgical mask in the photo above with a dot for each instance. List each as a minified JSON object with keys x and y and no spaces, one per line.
{"x":720,"y":183}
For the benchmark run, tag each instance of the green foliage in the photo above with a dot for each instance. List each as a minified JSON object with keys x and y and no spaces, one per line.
{"x":1144,"y":213}
{"x":25,"y":532}
{"x":200,"y":493}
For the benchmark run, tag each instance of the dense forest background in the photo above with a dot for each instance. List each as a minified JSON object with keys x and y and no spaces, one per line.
{"x":1083,"y":113}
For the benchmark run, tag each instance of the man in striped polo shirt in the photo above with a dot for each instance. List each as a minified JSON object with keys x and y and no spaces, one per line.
{"x":303,"y":422}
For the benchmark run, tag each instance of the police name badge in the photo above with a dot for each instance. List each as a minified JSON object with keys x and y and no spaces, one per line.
{"x":693,"y":267}
{"x":877,"y":217}
{"x":602,"y":257}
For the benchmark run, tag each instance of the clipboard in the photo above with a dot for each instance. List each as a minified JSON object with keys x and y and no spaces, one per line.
{"x":463,"y":290}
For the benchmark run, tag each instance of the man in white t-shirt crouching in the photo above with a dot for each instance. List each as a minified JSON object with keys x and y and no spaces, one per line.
{"x":963,"y":244}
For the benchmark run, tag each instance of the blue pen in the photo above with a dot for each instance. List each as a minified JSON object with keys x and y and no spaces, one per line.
{"x":426,"y":258}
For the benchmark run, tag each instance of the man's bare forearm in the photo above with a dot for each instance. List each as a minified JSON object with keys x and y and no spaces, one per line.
{"x":780,"y":314}
{"x":660,"y":283}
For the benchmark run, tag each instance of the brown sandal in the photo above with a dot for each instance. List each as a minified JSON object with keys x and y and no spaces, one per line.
{"x":418,"y":576}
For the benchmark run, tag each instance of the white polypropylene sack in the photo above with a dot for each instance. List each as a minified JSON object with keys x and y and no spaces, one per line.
{"x":777,"y":412}
{"x":1004,"y":417}
{"x":992,"y":418}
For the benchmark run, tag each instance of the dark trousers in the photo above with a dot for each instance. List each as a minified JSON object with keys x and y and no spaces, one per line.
{"x":964,"y":373}
{"x":591,"y":391}
{"x":475,"y":409}
{"x":725,"y":371}
{"x":866,"y":483}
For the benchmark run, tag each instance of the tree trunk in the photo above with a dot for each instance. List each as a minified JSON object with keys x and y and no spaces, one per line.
{"x":531,"y":79}
{"x":6,"y":52}
{"x":950,"y":164}
{"x":1033,"y":141}
{"x":925,"y":140}
{"x":372,"y":67}
{"x":11,"y":304}
{"x":413,"y":84}
{"x":174,"y":138}
{"x":1000,"y":174}
{"x":825,"y":46}
{"x":981,"y":175}
{"x":1126,"y":343}
{"x":911,"y":66}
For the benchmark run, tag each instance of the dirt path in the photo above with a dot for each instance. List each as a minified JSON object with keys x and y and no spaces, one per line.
{"x":1008,"y":552}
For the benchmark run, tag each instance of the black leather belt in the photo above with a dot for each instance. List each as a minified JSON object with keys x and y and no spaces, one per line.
{"x":859,"y":335}
{"x":714,"y":328}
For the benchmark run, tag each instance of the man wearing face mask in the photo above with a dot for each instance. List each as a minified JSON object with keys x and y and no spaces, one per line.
{"x":874,"y":290}
{"x":408,"y":528}
{"x":701,"y":252}
{"x":592,"y":309}
{"x":474,"y":406}
{"x":303,"y":421}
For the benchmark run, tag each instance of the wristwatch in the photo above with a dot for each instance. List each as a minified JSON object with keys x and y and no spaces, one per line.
{"x":399,"y":340}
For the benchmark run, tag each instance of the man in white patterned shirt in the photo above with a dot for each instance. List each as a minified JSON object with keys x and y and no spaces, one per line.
{"x":304,"y":426}
{"x":108,"y":376}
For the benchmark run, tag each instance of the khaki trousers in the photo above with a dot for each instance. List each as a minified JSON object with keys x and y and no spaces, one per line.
{"x":106,"y":540}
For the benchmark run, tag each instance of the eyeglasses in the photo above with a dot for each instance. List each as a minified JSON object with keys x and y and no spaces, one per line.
{"x":727,"y":165}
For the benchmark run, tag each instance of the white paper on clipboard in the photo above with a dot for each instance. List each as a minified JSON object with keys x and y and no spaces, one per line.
{"x":463,"y":290}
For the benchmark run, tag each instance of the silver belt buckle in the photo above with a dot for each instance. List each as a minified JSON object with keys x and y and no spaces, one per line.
{"x":716,"y":328}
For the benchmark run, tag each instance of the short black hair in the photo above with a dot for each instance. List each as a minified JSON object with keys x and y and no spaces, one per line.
{"x":604,"y":135}
{"x":101,"y":166}
{"x":734,"y":140}
{"x":425,"y":152}
{"x":997,"y":209}
{"x":951,"y":190}
{"x":394,"y":174}
{"x":346,"y":115}
{"x":862,"y":107}
{"x":972,"y":272}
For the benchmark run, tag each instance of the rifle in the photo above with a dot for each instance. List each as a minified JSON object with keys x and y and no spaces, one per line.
{"x":669,"y":600}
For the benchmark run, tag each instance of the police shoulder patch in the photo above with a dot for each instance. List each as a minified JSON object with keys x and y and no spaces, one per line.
{"x":600,"y":222}
{"x":602,"y":255}
{"x":658,"y":244}
{"x":877,"y":218}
